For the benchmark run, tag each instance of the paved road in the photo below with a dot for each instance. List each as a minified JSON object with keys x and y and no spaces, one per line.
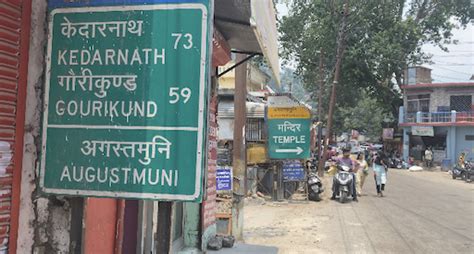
{"x":422,"y":212}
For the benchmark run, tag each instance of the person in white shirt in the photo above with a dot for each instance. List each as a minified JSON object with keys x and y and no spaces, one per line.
{"x":428,"y":157}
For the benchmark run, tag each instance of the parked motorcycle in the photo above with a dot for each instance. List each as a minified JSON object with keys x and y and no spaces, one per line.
{"x":459,"y":171}
{"x":315,"y":187}
{"x":469,"y":171}
{"x":344,"y":178}
{"x":398,"y":163}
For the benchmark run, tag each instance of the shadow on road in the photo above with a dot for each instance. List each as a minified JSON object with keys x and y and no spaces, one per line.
{"x":247,"y":249}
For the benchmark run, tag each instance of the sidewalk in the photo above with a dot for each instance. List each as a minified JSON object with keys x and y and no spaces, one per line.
{"x":247,"y":249}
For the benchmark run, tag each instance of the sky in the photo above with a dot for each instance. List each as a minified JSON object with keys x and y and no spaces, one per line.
{"x":457,"y":65}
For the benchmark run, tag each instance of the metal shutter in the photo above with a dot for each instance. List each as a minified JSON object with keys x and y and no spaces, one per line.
{"x":12,"y":93}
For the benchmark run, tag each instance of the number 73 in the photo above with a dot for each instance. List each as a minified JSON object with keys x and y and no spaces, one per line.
{"x":187,"y":37}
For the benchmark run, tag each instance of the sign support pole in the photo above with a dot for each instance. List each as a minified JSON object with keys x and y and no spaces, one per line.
{"x":274,"y":181}
{"x":164,"y":227}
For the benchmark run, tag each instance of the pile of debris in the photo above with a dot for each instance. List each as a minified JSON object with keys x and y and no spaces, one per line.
{"x":218,"y":242}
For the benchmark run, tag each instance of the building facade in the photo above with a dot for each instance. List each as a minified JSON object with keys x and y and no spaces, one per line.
{"x":35,"y":222}
{"x":437,"y":115}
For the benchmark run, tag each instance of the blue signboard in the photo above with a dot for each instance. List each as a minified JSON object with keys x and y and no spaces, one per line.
{"x":293,"y":171}
{"x":224,"y":178}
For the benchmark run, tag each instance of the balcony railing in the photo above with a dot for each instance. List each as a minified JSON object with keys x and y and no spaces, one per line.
{"x":437,"y":117}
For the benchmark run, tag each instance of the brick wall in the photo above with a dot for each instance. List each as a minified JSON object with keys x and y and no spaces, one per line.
{"x":441,"y":96}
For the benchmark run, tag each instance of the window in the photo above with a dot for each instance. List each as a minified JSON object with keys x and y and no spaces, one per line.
{"x":461,"y":103}
{"x":255,"y":129}
{"x":411,"y":76}
{"x":419,"y":102}
{"x":469,"y":137}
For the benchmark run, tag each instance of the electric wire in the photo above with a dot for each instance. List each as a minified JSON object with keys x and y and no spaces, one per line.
{"x":444,"y":68}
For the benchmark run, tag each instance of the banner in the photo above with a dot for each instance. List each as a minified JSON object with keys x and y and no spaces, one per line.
{"x":387,"y":134}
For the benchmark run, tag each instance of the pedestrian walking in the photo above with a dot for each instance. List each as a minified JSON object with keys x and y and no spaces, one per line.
{"x":380,"y":172}
{"x":428,"y":157}
{"x":362,"y":173}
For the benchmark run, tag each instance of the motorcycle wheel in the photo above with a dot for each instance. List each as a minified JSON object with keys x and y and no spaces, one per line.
{"x":343,"y":197}
{"x":454,"y":176}
{"x":463,"y":176}
{"x":314,"y":196}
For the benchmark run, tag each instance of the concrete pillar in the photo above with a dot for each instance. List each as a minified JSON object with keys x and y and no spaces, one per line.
{"x":451,"y":144}
{"x":401,"y":115}
{"x":406,"y":144}
{"x":43,"y":223}
{"x":453,"y":116}
{"x":418,"y":117}
{"x":192,"y":218}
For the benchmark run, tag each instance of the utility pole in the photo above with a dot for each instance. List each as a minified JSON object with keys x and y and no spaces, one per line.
{"x":320,"y":111}
{"x":339,"y":54}
{"x":239,"y":163}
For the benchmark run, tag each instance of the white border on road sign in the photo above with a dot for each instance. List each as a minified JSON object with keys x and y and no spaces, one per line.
{"x":200,"y":127}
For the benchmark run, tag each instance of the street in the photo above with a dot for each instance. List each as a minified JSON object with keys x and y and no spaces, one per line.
{"x":422,"y":212}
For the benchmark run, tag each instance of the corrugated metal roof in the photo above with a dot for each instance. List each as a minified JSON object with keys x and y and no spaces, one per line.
{"x":254,"y":109}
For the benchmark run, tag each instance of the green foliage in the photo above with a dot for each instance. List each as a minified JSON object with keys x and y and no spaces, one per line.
{"x":289,"y":79}
{"x":366,"y":117}
{"x":382,"y":38}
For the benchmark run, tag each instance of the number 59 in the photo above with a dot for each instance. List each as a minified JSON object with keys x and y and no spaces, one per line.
{"x":176,"y":94}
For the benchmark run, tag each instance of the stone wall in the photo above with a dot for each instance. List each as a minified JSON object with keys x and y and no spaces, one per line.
{"x":44,"y":221}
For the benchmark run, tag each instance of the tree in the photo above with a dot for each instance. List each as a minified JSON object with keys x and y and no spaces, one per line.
{"x":366,"y":117}
{"x":383,"y":38}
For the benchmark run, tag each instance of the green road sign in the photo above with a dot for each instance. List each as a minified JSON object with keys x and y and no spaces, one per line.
{"x":289,"y":138}
{"x":125,"y":104}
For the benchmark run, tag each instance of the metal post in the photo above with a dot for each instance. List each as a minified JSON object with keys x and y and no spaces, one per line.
{"x":239,"y":152}
{"x":120,"y":225}
{"x":320,"y":112}
{"x":274,"y":183}
{"x":164,"y":227}
{"x":77,"y":214}
{"x":280,"y":185}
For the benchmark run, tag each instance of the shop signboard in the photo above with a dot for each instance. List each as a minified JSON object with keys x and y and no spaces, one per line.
{"x":289,"y":133}
{"x":120,"y":118}
{"x":387,"y":134}
{"x":422,"y":131}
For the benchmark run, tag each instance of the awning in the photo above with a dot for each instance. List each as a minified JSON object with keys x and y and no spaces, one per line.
{"x":250,"y":26}
{"x":254,"y":109}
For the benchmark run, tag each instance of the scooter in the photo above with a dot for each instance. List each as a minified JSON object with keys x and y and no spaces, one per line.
{"x":459,"y":171}
{"x":315,"y":187}
{"x":344,"y":178}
